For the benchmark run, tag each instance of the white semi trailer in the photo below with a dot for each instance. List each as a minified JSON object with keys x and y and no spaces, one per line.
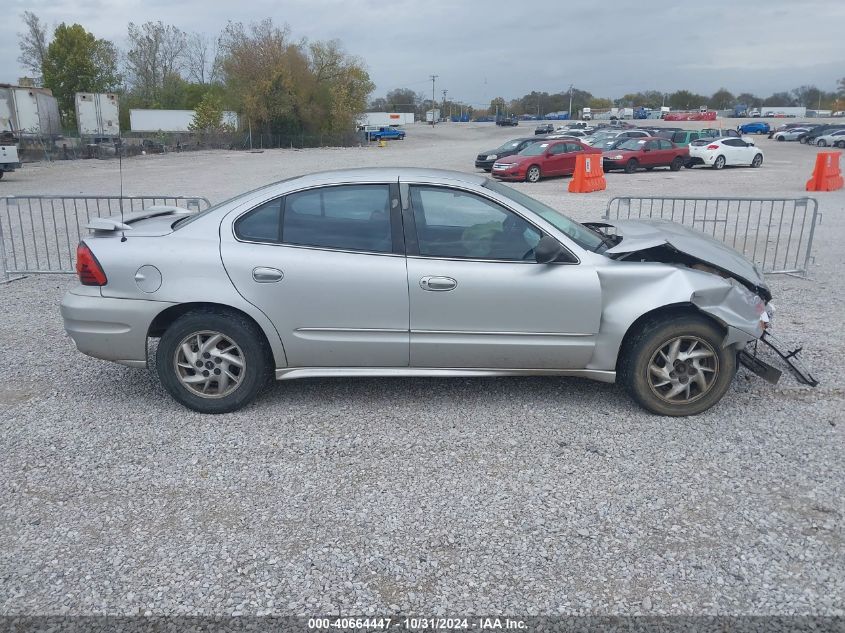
{"x":97,"y":114}
{"x":29,"y":111}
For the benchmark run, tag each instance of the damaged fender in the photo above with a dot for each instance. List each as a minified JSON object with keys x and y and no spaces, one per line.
{"x":632,"y":289}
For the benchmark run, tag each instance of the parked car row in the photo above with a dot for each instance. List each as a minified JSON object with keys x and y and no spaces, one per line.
{"x":530,"y":159}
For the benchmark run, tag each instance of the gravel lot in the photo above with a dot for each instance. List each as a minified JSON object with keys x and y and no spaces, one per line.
{"x":522,"y":496}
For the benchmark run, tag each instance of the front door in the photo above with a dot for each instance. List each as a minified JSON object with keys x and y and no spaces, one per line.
{"x":478,"y":299}
{"x":326,"y":265}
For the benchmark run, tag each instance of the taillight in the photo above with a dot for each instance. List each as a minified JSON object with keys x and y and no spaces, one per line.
{"x":88,"y":268}
{"x":712,"y":147}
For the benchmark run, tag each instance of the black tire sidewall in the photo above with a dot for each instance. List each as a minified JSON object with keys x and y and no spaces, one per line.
{"x":676,"y":164}
{"x":238,"y":329}
{"x":631,"y":166}
{"x":653,"y":335}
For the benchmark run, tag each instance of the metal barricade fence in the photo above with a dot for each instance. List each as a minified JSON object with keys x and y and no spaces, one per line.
{"x":39,"y":234}
{"x":774,"y":233}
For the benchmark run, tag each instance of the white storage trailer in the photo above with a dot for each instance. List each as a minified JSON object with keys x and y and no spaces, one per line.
{"x":29,"y":111}
{"x":97,"y":114}
{"x":384,"y":119}
{"x":170,"y":120}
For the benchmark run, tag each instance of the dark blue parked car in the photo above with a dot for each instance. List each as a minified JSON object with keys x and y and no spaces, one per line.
{"x":757,"y":127}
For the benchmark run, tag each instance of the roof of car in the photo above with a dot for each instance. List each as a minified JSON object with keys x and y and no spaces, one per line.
{"x":386,"y":174}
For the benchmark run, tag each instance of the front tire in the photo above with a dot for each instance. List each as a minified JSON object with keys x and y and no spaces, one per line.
{"x":758,"y":160}
{"x":677,"y":366}
{"x":821,"y":143}
{"x":533,"y":174}
{"x":631,"y":166}
{"x":213,"y":362}
{"x":780,"y":138}
{"x":677,"y":163}
{"x":719,"y":163}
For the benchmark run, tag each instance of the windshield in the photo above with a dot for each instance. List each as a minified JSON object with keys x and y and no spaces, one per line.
{"x":534,"y":150}
{"x":583,"y":236}
{"x":509,"y":145}
{"x":632,"y":144}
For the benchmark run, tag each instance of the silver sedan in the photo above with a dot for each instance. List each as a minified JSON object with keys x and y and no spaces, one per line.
{"x":411,"y":272}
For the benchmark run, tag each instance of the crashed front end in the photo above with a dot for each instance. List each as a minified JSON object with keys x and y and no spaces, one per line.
{"x":691,"y":268}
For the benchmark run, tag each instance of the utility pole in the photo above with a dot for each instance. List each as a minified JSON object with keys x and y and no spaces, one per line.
{"x":433,"y":77}
{"x":570,"y":101}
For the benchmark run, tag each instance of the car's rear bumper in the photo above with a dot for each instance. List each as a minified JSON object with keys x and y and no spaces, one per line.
{"x":10,"y":166}
{"x":108,"y":328}
{"x":703,"y":159}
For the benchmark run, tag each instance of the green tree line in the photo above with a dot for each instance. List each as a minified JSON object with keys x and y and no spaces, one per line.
{"x":277,"y":84}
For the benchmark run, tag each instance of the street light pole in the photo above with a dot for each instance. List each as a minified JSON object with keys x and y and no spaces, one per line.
{"x":433,"y":77}
{"x":570,"y":101}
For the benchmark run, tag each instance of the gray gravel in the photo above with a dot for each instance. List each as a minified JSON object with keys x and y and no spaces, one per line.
{"x":522,"y":495}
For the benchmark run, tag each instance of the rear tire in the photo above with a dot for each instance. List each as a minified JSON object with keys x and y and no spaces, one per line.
{"x":720,"y":162}
{"x":677,"y":163}
{"x":533,"y":174}
{"x":682,"y":354}
{"x":631,"y":166}
{"x":233,"y":356}
{"x":840,"y":144}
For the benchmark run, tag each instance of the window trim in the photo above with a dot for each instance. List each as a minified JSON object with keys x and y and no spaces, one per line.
{"x":412,"y":242}
{"x":395,"y":219}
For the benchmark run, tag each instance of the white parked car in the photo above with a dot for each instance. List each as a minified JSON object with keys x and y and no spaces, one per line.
{"x":568,"y":131}
{"x":791,"y":134}
{"x":834,"y":139}
{"x":721,"y":152}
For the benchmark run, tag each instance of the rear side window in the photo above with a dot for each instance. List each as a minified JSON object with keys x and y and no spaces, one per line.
{"x":665,"y":144}
{"x":345,"y":217}
{"x":261,"y":224}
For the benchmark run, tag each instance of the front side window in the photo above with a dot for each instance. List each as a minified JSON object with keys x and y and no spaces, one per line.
{"x":535,"y":149}
{"x":461,"y":225}
{"x":345,"y":217}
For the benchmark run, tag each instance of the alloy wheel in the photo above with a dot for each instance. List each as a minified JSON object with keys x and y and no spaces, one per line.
{"x":209,"y":364}
{"x":683,"y":369}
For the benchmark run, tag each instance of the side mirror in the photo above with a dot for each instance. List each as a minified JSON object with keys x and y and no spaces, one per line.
{"x":548,"y":250}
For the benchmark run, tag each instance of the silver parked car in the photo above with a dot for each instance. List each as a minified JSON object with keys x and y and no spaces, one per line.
{"x":411,"y":272}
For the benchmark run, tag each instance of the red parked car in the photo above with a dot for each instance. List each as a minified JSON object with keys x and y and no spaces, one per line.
{"x":544,"y":158}
{"x":645,"y":152}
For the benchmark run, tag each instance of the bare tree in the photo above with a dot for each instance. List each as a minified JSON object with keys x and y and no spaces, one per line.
{"x":33,"y":43}
{"x":201,"y":58}
{"x":156,"y":54}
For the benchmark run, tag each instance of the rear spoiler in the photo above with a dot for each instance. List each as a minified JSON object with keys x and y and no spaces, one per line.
{"x":116,"y":223}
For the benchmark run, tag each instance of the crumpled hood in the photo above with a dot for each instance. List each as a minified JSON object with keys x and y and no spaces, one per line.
{"x":639,"y":235}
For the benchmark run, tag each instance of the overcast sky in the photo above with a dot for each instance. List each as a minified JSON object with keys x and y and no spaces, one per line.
{"x":486,"y":48}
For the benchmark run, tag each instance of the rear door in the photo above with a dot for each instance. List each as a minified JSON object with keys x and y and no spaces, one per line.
{"x":651,"y":155}
{"x":571,"y":156}
{"x":477,"y":297}
{"x":327,"y":266}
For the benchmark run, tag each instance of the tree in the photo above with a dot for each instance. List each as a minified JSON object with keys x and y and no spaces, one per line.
{"x":722,"y":99}
{"x":685,"y":100}
{"x":746,"y":98}
{"x":156,"y":53}
{"x":599,"y":103}
{"x":402,"y":100}
{"x":76,"y":61}
{"x":779,"y":99}
{"x":498,"y":106}
{"x":208,"y":117}
{"x":201,"y":60}
{"x":33,"y":43}
{"x":292,"y":87}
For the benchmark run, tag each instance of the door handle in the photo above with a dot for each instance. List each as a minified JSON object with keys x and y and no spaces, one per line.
{"x":265,"y":275}
{"x":438,"y":284}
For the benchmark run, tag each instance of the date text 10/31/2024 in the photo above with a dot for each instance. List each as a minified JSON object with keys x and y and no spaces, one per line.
{"x":417,"y":623}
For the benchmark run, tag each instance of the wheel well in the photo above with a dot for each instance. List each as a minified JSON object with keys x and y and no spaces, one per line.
{"x":663,"y":312}
{"x":165,"y":318}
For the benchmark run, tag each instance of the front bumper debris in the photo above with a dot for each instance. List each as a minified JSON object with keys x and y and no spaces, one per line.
{"x":750,"y":359}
